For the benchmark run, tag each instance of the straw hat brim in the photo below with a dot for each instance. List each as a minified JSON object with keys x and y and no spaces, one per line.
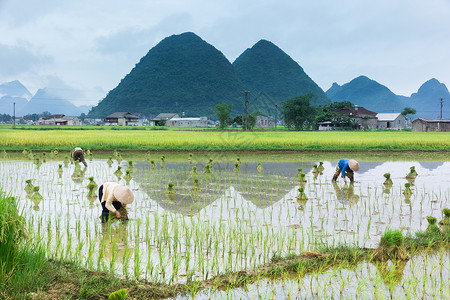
{"x":354,"y":165}
{"x":123,"y":194}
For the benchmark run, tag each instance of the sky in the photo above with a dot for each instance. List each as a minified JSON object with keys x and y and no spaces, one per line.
{"x":84,"y":48}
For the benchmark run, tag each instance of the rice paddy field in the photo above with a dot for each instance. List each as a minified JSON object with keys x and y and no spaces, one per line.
{"x":213,"y":140}
{"x":199,"y":216}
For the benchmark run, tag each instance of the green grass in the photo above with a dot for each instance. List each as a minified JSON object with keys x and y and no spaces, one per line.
{"x":98,"y":138}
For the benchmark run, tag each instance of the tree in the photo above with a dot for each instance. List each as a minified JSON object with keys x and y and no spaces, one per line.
{"x":222,"y":112}
{"x":408,"y":111}
{"x":329,"y":113}
{"x":240,"y":119}
{"x":298,"y":112}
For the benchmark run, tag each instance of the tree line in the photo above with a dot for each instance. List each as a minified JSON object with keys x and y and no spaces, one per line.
{"x":299,"y":114}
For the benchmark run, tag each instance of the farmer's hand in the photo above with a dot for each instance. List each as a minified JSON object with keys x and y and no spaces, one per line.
{"x":117,"y":214}
{"x":345,"y":180}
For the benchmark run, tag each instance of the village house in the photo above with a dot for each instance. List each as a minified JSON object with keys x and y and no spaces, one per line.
{"x":188,"y":122}
{"x":391,"y":121}
{"x":121,"y":119}
{"x":366,"y":119}
{"x":264,"y":121}
{"x":429,"y":125}
{"x":59,"y":119}
{"x":161,"y":119}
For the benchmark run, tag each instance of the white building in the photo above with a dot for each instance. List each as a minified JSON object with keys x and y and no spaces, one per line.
{"x":391,"y":121}
{"x":188,"y":122}
{"x":264,"y":121}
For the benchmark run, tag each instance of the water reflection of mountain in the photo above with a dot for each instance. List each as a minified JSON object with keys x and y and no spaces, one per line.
{"x":190,"y":197}
{"x":431,"y":165}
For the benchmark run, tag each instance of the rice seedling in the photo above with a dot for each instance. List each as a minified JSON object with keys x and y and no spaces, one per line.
{"x":109,"y":161}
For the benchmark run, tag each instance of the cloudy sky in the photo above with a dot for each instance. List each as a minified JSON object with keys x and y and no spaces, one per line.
{"x":92,"y":45}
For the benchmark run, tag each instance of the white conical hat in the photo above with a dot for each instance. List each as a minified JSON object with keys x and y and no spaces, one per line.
{"x":354,"y":165}
{"x":123,"y":194}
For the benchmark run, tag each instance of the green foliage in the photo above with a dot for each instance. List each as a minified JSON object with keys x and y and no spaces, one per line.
{"x":392,"y":238}
{"x":251,"y":120}
{"x":182,"y":73}
{"x":329,"y":113}
{"x":118,"y":295}
{"x":266,"y":68}
{"x":408,"y":111}
{"x":298,"y":112}
{"x":222,"y":112}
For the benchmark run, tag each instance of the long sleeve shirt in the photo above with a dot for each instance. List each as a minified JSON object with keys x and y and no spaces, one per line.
{"x":343,"y":166}
{"x":108,"y":196}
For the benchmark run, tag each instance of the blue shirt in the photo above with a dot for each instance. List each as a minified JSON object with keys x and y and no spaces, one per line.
{"x":343,"y":166}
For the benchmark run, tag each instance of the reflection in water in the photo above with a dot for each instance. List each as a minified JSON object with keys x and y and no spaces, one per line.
{"x":114,"y":248}
{"x":391,"y":272}
{"x":36,"y":198}
{"x":78,"y":174}
{"x":346,"y":194}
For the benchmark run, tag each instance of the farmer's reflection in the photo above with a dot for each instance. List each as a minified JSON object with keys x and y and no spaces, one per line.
{"x":346,"y":194}
{"x":114,"y":244}
{"x":78,"y":174}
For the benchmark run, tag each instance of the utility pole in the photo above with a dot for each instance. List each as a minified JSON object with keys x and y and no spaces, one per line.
{"x":246,"y":104}
{"x":442,"y":99}
{"x":14,"y":114}
{"x":276,"y":111}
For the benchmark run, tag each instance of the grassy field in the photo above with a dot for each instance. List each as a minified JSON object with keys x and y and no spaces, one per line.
{"x":176,"y":140}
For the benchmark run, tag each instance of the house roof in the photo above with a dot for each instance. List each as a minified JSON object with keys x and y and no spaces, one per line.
{"x":122,"y":114}
{"x":388,"y":117}
{"x":187,"y":119}
{"x":70,"y":118}
{"x":433,"y":120}
{"x":356,"y":111}
{"x":165,"y":116}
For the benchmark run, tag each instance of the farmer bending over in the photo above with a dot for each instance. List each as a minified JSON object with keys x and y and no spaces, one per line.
{"x":113,"y":196}
{"x":346,"y":167}
{"x":78,"y":155}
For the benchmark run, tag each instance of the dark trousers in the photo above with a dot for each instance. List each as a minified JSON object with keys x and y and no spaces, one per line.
{"x":105,"y":212}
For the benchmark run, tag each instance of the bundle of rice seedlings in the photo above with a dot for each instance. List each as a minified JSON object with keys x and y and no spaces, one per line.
{"x":29,"y":187}
{"x":152,"y":164}
{"x":301,"y":194}
{"x":207,"y":169}
{"x":390,"y":247}
{"x":92,"y":187}
{"x":388,"y":182}
{"x":237,"y":167}
{"x":127,"y":176}
{"x":407,"y":191}
{"x":259,"y":168}
{"x":446,"y":219}
{"x":412,"y":173}
{"x":433,"y":231}
{"x":118,"y":172}
{"x":315,"y":169}
{"x":321,"y":167}
{"x":194,"y":173}
{"x":109,"y":161}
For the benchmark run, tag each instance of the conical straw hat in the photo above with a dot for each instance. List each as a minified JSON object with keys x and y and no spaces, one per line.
{"x":354,"y":165}
{"x":123,"y":194}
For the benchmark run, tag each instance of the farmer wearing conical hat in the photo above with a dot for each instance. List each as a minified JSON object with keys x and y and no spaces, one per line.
{"x":113,"y":197}
{"x":346,"y":167}
{"x":77,"y":154}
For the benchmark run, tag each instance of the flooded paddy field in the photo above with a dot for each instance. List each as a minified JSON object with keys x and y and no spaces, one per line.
{"x":192,"y":222}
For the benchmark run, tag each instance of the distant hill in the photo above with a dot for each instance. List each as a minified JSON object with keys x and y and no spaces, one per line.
{"x":14,"y":89}
{"x":427,"y":100}
{"x":266,"y":68}
{"x":368,"y":93}
{"x":182,"y":73}
{"x":46,"y":101}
